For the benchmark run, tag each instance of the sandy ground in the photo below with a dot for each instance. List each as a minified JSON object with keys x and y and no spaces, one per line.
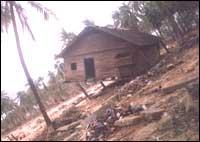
{"x":31,"y":128}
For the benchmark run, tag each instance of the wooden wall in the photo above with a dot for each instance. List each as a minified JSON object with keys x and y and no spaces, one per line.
{"x":103,"y":48}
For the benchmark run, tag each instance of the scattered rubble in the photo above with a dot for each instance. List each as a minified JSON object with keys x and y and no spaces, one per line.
{"x":133,"y":86}
{"x":135,"y":109}
{"x":152,"y":114}
{"x":68,"y":116}
{"x":73,"y":137}
{"x":112,"y":117}
{"x":39,"y":121}
{"x":166,"y":122}
{"x":170,"y":66}
{"x":129,"y":120}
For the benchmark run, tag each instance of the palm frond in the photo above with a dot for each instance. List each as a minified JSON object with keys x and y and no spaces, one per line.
{"x":28,"y":27}
{"x":5,"y":16}
{"x":64,"y":35}
{"x":19,"y":10}
{"x":45,"y":11}
{"x":23,"y":18}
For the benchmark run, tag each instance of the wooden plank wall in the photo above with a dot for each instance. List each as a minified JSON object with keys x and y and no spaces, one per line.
{"x":103,"y":48}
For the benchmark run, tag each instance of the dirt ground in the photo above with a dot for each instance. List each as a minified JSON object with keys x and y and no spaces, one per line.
{"x":171,"y":99}
{"x":180,"y":102}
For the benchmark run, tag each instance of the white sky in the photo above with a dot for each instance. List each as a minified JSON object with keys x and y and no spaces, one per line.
{"x":39,"y":55}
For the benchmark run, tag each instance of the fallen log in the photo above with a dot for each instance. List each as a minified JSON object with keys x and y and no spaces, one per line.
{"x":69,"y":126}
{"x":152,"y":114}
{"x":146,"y":115}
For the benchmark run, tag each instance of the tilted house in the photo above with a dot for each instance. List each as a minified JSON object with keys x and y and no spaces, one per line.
{"x":98,"y":53}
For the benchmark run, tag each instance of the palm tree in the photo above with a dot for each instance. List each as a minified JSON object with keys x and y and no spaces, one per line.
{"x":7,"y":104}
{"x":88,"y":22}
{"x":66,"y":37}
{"x":26,"y":102}
{"x":10,"y":108}
{"x":8,"y":16}
{"x":125,"y":18}
{"x":116,"y":19}
{"x":54,"y":84}
{"x":154,"y":17}
{"x":40,"y":82}
{"x":166,"y":10}
{"x":60,"y":70}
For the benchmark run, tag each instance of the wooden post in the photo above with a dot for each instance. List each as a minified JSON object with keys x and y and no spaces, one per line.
{"x":9,"y":138}
{"x":145,"y":58}
{"x":102,"y":84}
{"x":14,"y":137}
{"x":83,"y":90}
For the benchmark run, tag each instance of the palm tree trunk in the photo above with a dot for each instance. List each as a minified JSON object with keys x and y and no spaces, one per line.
{"x":30,"y":81}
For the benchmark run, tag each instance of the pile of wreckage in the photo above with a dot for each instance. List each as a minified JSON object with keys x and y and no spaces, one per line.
{"x":132,"y":86}
{"x":115,"y":117}
{"x":100,"y":127}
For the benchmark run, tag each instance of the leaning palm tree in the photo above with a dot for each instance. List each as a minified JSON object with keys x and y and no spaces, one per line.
{"x":9,"y":10}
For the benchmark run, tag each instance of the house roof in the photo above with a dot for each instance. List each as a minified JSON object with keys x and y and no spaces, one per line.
{"x":135,"y":37}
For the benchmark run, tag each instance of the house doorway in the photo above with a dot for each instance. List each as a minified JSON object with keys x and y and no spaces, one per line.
{"x":89,"y":68}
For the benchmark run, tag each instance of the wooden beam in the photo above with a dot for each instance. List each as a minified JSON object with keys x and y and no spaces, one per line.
{"x":102,"y":84}
{"x":13,"y":137}
{"x":83,"y":90}
{"x":9,"y":138}
{"x":102,"y":51}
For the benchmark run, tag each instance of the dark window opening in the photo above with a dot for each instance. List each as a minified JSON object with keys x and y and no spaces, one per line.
{"x":73,"y":66}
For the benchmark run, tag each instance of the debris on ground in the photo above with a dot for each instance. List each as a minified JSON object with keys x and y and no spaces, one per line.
{"x":158,"y":105}
{"x":129,"y":121}
{"x":72,"y":137}
{"x":68,"y":116}
{"x":69,"y":127}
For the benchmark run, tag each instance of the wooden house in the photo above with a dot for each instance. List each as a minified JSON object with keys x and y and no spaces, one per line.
{"x":99,"y":52}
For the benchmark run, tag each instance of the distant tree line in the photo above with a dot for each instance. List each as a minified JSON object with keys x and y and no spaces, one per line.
{"x":166,"y":18}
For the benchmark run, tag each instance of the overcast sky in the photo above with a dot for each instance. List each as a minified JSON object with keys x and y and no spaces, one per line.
{"x":39,"y":55}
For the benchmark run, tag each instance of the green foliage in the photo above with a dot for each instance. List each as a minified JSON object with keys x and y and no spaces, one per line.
{"x":9,"y":11}
{"x":154,"y":16}
{"x":167,"y":17}
{"x":5,"y":16}
{"x":7,"y":104}
{"x":66,"y":37}
{"x":125,"y":18}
